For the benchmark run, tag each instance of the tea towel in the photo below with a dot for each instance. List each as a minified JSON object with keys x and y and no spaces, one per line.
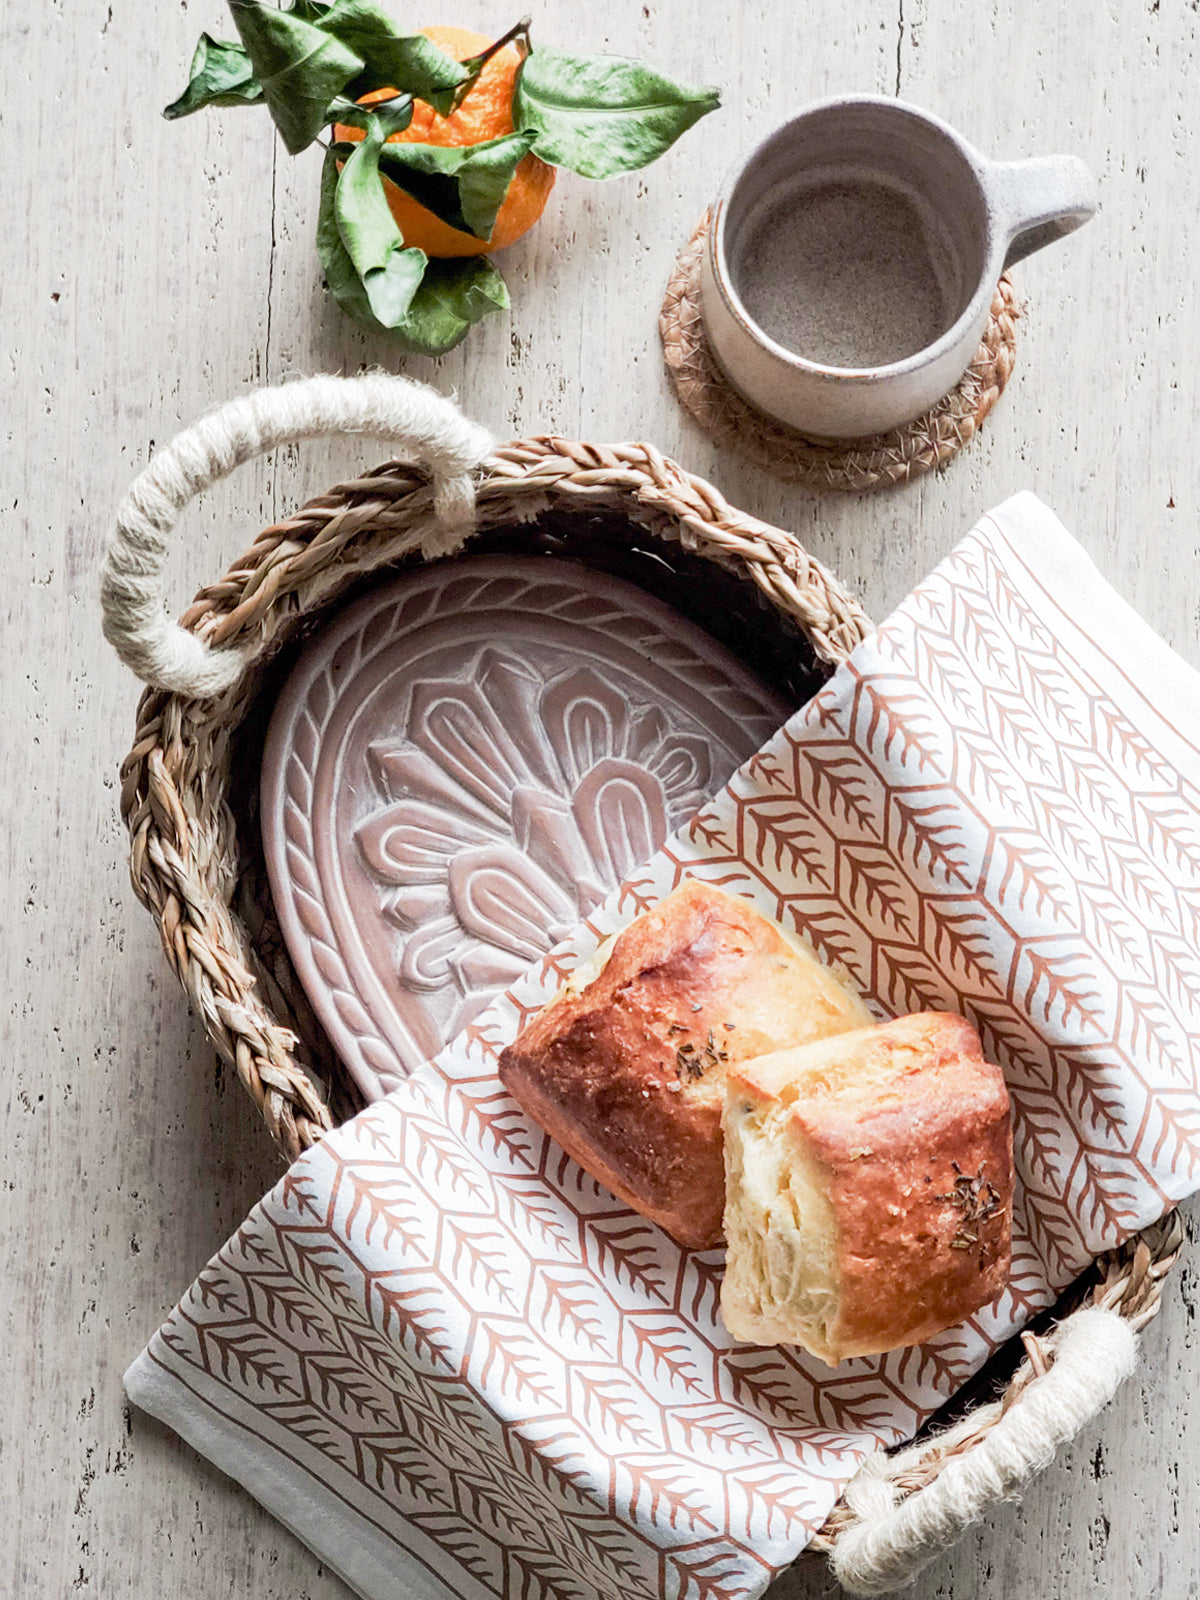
{"x":454,"y":1365}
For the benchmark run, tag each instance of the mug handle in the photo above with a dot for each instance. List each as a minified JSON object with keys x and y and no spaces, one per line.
{"x":1045,"y":198}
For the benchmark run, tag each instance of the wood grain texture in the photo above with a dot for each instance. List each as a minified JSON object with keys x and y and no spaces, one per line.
{"x":152,"y":270}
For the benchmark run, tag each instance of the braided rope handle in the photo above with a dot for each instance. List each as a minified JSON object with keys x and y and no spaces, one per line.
{"x":900,"y":1511}
{"x":426,"y":427}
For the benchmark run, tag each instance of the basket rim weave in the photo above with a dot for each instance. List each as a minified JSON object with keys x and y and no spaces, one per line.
{"x":175,"y":779}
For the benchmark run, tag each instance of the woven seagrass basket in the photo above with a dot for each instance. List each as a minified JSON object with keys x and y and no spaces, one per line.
{"x":189,"y":784}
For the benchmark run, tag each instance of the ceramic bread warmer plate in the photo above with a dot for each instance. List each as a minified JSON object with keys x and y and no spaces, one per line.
{"x":651,"y":565}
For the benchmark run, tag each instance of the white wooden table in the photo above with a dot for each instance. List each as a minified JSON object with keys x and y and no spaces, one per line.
{"x":151,"y":270}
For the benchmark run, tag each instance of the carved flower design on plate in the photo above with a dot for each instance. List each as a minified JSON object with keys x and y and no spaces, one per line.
{"x":461,"y":765}
{"x":513,"y":803}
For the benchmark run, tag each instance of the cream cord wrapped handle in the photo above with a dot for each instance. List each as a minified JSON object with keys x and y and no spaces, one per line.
{"x":889,"y":1543}
{"x":427,"y":428}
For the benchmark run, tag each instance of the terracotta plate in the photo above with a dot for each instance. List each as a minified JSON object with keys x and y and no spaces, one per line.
{"x":462,"y":765}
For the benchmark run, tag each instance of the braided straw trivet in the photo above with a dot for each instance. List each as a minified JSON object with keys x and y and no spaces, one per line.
{"x":880,"y":462}
{"x":193,"y":871}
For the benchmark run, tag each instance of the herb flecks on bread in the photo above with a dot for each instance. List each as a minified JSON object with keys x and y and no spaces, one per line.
{"x":626,"y":1067}
{"x":868,"y":1188}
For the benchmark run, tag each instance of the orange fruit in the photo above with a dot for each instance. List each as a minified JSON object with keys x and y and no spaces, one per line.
{"x":485,"y":113}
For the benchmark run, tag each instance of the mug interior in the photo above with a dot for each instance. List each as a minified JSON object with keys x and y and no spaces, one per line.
{"x":857,"y":236}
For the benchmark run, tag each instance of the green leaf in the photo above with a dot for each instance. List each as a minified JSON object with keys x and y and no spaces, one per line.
{"x":221,"y":75}
{"x":390,"y":273}
{"x":300,"y":67}
{"x":408,"y":63}
{"x":453,"y":297}
{"x":464,"y":185}
{"x":601,"y":115}
{"x":341,"y":276}
{"x":393,"y":115}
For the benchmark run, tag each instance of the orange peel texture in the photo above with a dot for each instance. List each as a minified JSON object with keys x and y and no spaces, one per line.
{"x":486,"y":113}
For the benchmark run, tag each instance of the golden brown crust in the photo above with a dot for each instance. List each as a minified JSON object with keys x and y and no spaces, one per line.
{"x":910,"y":1130}
{"x":629,"y":1075}
{"x":926,"y":1222}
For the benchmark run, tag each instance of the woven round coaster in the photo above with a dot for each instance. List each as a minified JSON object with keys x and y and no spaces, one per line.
{"x":882,"y":461}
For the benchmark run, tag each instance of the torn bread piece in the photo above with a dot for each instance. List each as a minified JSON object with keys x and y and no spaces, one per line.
{"x":626,"y":1066}
{"x":869,"y":1185}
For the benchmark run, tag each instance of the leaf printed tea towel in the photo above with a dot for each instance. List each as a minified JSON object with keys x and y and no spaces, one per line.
{"x":455,"y":1365}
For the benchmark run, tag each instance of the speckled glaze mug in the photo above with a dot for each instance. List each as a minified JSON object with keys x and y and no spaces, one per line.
{"x":852,"y":258}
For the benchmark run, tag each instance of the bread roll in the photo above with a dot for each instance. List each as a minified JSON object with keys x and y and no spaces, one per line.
{"x":868,"y":1188}
{"x":626,"y":1066}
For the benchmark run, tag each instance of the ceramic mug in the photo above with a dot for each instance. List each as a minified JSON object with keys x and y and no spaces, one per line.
{"x":923,"y":218}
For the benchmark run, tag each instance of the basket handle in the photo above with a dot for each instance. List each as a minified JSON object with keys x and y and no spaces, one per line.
{"x":888,"y":1543}
{"x":427,"y":429}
